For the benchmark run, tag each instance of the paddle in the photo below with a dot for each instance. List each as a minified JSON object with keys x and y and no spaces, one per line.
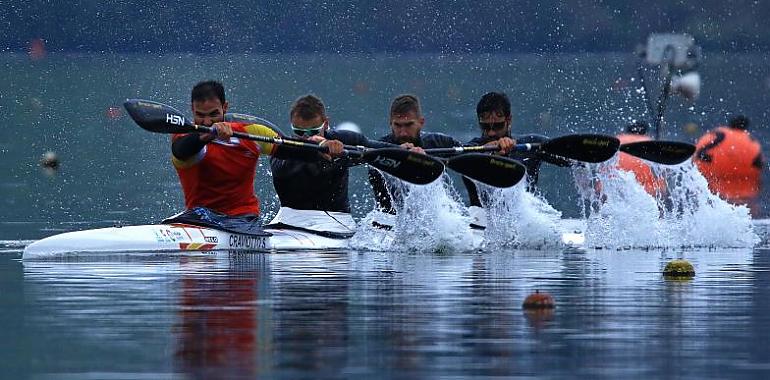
{"x":492,"y":170}
{"x":581,"y":147}
{"x":408,"y":166}
{"x":660,"y":151}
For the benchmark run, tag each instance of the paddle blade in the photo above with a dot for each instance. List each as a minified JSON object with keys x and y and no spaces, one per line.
{"x":405,"y":165}
{"x":157,"y":117}
{"x":662,"y":152}
{"x":492,"y":170}
{"x":583,"y":147}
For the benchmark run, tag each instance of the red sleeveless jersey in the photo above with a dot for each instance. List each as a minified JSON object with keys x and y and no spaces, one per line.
{"x":221,"y":176}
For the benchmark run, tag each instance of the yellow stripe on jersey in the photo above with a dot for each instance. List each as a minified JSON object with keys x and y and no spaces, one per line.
{"x":262,"y":130}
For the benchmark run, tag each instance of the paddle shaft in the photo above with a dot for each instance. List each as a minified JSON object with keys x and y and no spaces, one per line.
{"x":480,"y":148}
{"x":272,"y":140}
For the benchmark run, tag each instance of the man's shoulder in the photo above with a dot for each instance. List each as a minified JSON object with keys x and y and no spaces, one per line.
{"x":389,"y":138}
{"x":347,"y":137}
{"x":438,"y":140}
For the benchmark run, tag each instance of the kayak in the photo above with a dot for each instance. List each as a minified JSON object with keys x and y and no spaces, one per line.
{"x":290,"y":230}
{"x":181,"y":238}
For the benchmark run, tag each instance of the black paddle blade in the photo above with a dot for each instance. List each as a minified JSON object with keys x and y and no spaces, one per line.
{"x":492,"y":170}
{"x":662,"y":152}
{"x":584,"y":147}
{"x":405,"y":165}
{"x":157,"y":117}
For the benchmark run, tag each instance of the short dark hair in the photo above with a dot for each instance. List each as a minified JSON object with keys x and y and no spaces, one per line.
{"x":404,"y":104}
{"x":308,"y":107}
{"x":638,"y":127}
{"x":494,"y":102}
{"x":740,"y":122}
{"x":206,"y":90}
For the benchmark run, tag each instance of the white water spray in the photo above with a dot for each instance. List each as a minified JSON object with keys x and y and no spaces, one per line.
{"x":430,"y":219}
{"x":621,"y":214}
{"x":518,"y":218}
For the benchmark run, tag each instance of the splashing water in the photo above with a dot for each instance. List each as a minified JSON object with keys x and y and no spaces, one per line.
{"x":431,"y":218}
{"x":621,"y":214}
{"x":699,"y":218}
{"x":518,"y":218}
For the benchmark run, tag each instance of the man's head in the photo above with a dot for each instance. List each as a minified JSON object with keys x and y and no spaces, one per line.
{"x":494,"y":114}
{"x":638,"y":127}
{"x":308,"y":117}
{"x":208,"y":103}
{"x":406,"y":119}
{"x":740,"y":122}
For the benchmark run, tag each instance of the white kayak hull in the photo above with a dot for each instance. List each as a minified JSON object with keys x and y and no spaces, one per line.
{"x":176,"y":238}
{"x":185,"y":239}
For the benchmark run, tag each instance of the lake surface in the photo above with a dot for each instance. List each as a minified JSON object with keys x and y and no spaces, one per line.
{"x":386,"y":315}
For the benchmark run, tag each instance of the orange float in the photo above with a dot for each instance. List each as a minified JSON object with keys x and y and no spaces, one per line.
{"x":731,"y":160}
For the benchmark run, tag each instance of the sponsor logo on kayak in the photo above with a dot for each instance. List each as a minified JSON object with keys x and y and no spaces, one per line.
{"x":249,"y":242}
{"x":165,"y":235}
{"x":386,"y":162}
{"x":174,"y":119}
{"x":211,"y":239}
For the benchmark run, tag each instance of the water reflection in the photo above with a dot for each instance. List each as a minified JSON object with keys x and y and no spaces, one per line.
{"x":220,"y":333}
{"x":405,"y":315}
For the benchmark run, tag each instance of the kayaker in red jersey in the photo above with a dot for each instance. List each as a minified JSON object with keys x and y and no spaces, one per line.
{"x":635,"y":132}
{"x":731,"y":160}
{"x":217,"y":170}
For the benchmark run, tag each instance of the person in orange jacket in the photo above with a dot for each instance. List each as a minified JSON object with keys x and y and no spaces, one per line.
{"x":634,"y":132}
{"x":731,"y":160}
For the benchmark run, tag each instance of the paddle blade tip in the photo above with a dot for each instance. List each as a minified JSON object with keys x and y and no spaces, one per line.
{"x":488,"y":169}
{"x":408,"y":166}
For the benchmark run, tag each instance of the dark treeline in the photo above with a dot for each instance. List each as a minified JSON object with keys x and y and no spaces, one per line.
{"x":368,"y":26}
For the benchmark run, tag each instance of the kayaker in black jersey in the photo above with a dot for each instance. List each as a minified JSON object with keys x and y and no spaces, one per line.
{"x":320,"y":185}
{"x":494,"y":116}
{"x":406,"y":123}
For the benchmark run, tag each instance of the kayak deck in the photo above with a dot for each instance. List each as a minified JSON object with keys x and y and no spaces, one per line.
{"x":176,"y":238}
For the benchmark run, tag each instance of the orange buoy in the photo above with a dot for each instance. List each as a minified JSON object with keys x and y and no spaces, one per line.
{"x":538,"y":300}
{"x":36,"y":49}
{"x":731,"y":160}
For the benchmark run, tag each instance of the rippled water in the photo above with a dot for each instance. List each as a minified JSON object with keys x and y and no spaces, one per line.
{"x":386,"y":315}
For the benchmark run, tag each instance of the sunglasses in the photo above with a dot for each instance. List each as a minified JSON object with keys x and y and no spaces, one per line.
{"x":307,"y":132}
{"x":500,"y":125}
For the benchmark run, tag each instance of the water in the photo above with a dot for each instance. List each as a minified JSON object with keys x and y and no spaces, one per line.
{"x":386,"y":315}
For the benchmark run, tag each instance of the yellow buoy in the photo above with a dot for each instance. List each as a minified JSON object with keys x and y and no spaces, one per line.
{"x":679,"y":269}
